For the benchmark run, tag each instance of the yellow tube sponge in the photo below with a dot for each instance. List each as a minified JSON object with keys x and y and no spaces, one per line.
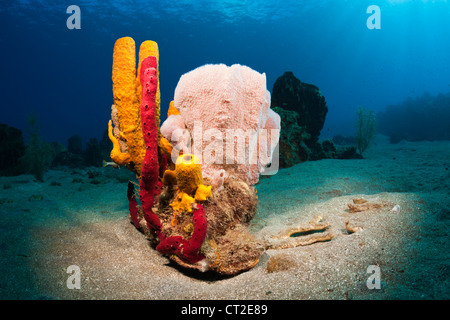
{"x":116,"y":155}
{"x":127,"y":91}
{"x":182,"y":203}
{"x":124,"y":83}
{"x":125,"y":101}
{"x":188,"y":172}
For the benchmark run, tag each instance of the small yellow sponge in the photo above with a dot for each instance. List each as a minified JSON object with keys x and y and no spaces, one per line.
{"x":116,"y":155}
{"x":172,"y":110}
{"x":165,"y":146}
{"x":182,"y":203}
{"x":203,"y":192}
{"x":188,"y":172}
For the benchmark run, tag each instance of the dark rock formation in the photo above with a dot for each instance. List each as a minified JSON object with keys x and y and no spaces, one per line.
{"x":291,"y":94}
{"x":348,"y":152}
{"x":106,"y":146}
{"x":425,"y":118}
{"x":302,"y":110}
{"x":37,"y":155}
{"x":75,"y":145}
{"x":75,"y":157}
{"x":93,"y":154}
{"x":344,"y":141}
{"x":291,"y":144}
{"x":12,"y":148}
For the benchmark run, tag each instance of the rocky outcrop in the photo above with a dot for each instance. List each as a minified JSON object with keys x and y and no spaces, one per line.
{"x":292,"y":94}
{"x":12,"y":148}
{"x":292,"y":148}
{"x":303,"y":109}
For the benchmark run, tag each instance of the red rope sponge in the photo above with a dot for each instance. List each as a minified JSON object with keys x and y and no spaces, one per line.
{"x":187,"y":250}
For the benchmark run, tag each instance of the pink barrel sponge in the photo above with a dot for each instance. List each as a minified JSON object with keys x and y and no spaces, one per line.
{"x":227,"y":112}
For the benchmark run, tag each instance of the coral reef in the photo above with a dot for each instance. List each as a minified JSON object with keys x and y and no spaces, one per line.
{"x":196,"y":194}
{"x":194,"y":211}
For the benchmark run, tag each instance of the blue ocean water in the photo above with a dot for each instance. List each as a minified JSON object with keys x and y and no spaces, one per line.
{"x":64,"y":76}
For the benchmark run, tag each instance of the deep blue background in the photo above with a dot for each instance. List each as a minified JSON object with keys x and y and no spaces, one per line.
{"x":64,"y":76}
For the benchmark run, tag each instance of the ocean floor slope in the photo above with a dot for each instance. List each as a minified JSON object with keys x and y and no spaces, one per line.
{"x":402,"y":227}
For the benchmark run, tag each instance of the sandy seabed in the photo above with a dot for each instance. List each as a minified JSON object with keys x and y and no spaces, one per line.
{"x":79,"y":218}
